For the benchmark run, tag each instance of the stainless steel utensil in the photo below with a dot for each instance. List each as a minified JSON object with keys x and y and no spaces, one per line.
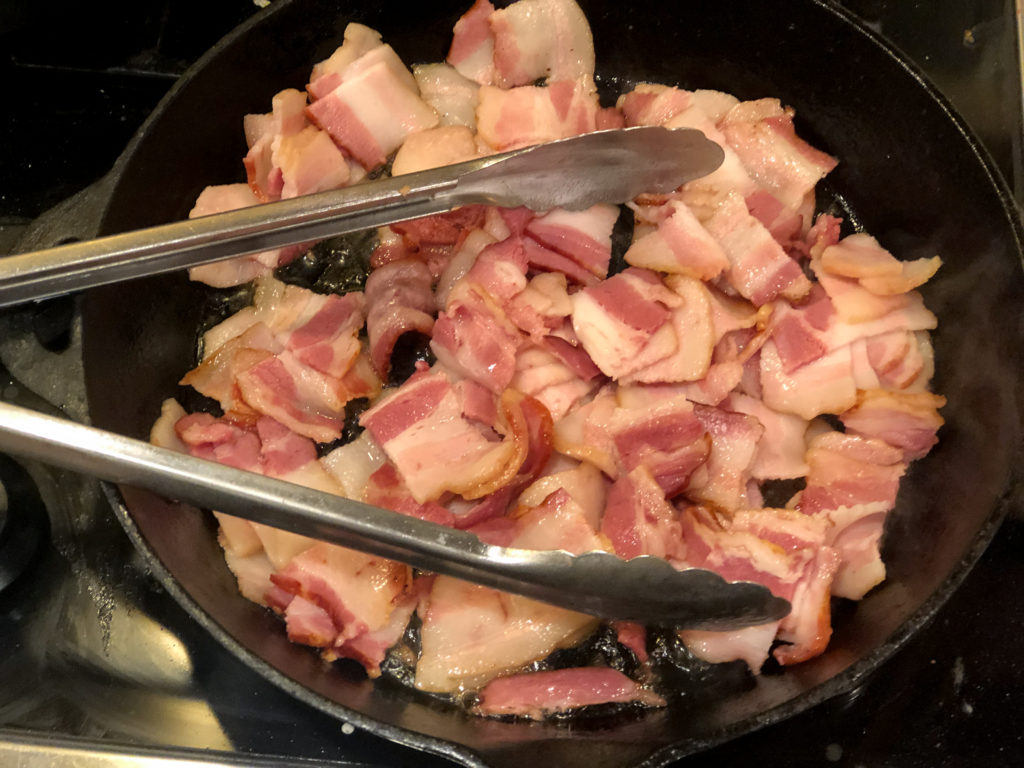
{"x":606,"y":166}
{"x":644,"y":589}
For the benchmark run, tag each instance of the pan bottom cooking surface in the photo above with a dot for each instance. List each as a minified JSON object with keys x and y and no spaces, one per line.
{"x":96,"y":657}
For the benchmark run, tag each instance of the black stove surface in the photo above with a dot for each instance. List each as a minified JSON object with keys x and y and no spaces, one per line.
{"x":94,"y":653}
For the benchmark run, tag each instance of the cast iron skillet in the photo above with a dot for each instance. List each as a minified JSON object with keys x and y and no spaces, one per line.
{"x":910,"y":173}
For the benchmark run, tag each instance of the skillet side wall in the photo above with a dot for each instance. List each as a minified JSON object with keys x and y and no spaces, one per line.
{"x":907,"y":172}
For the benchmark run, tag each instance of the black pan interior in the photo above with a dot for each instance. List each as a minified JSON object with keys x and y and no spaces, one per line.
{"x":909,"y":173}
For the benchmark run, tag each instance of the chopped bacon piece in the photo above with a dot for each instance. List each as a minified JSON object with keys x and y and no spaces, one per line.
{"x":905,"y":420}
{"x":371,"y":647}
{"x":681,"y":245}
{"x":352,"y":464}
{"x":384,"y":488}
{"x":309,"y":162}
{"x":433,"y":148}
{"x":651,"y":104}
{"x":358,"y":39}
{"x":242,"y":269}
{"x":847,"y":470}
{"x":265,"y":135}
{"x":750,"y":644}
{"x":424,"y":420}
{"x":781,"y":550}
{"x":638,"y":520}
{"x":759,"y":269}
{"x":309,"y":624}
{"x":542,"y":306}
{"x":536,"y":694}
{"x":695,"y":336}
{"x":357,"y":591}
{"x":823,"y":386}
{"x":541,"y":374}
{"x":474,"y":338}
{"x":780,"y":452}
{"x":623,"y":322}
{"x":762,"y":134}
{"x":453,"y":96}
{"x":541,"y":38}
{"x":785,"y":225}
{"x":859,"y":256}
{"x":728,"y":470}
{"x":472,"y":49}
{"x":400,"y":301}
{"x":253,"y":575}
{"x":472,"y":634}
{"x":583,"y":236}
{"x":370,"y":113}
{"x":531,"y":114}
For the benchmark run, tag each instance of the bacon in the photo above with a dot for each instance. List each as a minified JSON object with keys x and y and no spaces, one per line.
{"x":780,"y":451}
{"x":542,"y":306}
{"x":384,"y":488}
{"x":242,"y":269}
{"x":583,"y":483}
{"x":520,"y":117}
{"x":680,"y":245}
{"x":796,"y":340}
{"x":762,"y":134}
{"x":453,"y":96}
{"x":542,"y":375}
{"x":310,"y":162}
{"x":694,"y":331}
{"x":400,"y":301}
{"x":264,"y":134}
{"x":541,"y":38}
{"x":583,"y":236}
{"x":663,"y":434}
{"x":623,"y":322}
{"x":824,"y":386}
{"x":352,"y":464}
{"x":784,"y":225}
{"x":433,"y":148}
{"x":358,"y":40}
{"x":472,"y":634}
{"x":472,"y":49}
{"x":847,"y":470}
{"x":750,"y":644}
{"x":293,"y":355}
{"x":309,"y":624}
{"x":538,"y":694}
{"x":252,"y":573}
{"x":652,"y":104}
{"x":558,"y":522}
{"x":370,"y":648}
{"x":734,"y":441}
{"x":905,"y":420}
{"x":638,"y":520}
{"x":357,"y":591}
{"x":424,"y":421}
{"x":859,"y":256}
{"x":475,"y":339}
{"x":372,"y":111}
{"x":779,"y":550}
{"x":759,"y":269}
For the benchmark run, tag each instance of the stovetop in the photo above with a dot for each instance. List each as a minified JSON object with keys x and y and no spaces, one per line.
{"x":98,"y":663}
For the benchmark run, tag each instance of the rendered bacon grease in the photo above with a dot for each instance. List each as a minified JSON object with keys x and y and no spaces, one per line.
{"x":640,"y":412}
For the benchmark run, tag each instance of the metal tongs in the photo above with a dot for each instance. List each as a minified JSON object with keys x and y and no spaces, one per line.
{"x":601,"y":167}
{"x":644,"y":589}
{"x":607,"y":166}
